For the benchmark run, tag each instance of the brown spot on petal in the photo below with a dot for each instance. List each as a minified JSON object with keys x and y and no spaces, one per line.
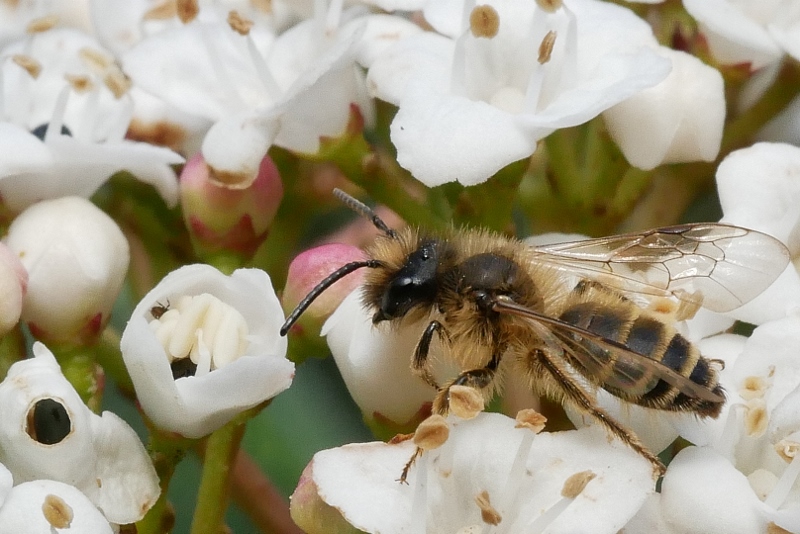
{"x":432,"y":433}
{"x":530,"y":419}
{"x":165,"y":10}
{"x":31,"y":66}
{"x":57,"y":512}
{"x":234,"y":180}
{"x":42,"y":24}
{"x":238,"y":23}
{"x":546,"y":48}
{"x":484,"y":21}
{"x":576,"y":484}
{"x":187,"y":10}
{"x":465,"y":402}
{"x":489,"y":514}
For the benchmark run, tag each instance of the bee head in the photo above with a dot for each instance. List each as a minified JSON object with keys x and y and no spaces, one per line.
{"x":413,"y":285}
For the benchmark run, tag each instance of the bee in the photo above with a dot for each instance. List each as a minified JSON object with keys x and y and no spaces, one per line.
{"x":570,"y":317}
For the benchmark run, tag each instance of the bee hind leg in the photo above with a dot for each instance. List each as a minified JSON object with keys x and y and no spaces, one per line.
{"x":574,"y":393}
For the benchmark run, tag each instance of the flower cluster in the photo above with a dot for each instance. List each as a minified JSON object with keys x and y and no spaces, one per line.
{"x":172,"y":242}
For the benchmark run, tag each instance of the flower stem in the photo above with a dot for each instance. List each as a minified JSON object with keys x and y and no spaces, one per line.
{"x":83,"y":373}
{"x":166,"y":451}
{"x":212,"y":499}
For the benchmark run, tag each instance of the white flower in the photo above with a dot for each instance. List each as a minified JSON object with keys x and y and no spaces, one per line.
{"x":678,"y":120}
{"x":290,"y":92}
{"x":759,"y":188}
{"x":16,"y":18}
{"x":471,"y":105}
{"x":487,"y":477}
{"x":216,"y":354}
{"x":62,"y":122}
{"x":47,"y":432}
{"x":375,"y":364}
{"x":77,"y":259}
{"x":47,"y":506}
{"x":748,"y":31}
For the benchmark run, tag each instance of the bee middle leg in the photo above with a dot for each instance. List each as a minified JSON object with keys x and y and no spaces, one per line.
{"x":479,"y":379}
{"x":419,"y":365}
{"x":575,"y":393}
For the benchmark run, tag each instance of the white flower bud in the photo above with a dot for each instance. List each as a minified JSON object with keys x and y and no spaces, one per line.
{"x":47,"y":506}
{"x":47,"y":432}
{"x":76,"y":258}
{"x":13,"y":283}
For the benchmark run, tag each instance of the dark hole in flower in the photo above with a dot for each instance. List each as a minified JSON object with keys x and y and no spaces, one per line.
{"x":48,"y":422}
{"x":40,"y":130}
{"x":183,"y":367}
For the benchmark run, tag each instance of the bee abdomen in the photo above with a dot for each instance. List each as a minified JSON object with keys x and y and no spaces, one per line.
{"x":631,"y":377}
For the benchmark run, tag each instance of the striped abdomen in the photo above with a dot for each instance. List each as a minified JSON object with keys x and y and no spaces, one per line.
{"x":636,"y":374}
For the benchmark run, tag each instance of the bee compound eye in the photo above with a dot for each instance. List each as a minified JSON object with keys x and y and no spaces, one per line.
{"x":48,"y":422}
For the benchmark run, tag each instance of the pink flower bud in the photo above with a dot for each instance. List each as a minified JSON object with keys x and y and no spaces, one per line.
{"x":222,"y":218}
{"x":308,"y":269}
{"x":13,"y":283}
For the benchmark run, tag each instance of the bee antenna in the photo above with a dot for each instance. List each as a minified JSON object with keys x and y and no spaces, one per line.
{"x":327,"y":282}
{"x":364,"y":210}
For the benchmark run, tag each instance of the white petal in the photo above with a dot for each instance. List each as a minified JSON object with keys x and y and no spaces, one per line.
{"x":678,"y":120}
{"x":23,"y":512}
{"x":703,"y":493}
{"x":375,"y":362}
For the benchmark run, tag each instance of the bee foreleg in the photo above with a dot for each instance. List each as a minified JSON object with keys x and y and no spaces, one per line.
{"x":573,"y":392}
{"x":419,"y":363}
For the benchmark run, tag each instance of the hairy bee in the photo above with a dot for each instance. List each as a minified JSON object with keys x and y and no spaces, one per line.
{"x":570,"y":317}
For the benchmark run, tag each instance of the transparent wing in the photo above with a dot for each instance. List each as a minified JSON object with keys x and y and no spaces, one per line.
{"x":716,"y":266}
{"x":602,"y":361}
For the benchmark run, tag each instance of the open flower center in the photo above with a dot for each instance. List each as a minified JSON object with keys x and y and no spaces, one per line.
{"x":515,"y":65}
{"x":199,"y":333}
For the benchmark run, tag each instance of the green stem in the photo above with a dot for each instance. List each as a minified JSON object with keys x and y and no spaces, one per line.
{"x":109,"y":357}
{"x":565,"y":176}
{"x":12,"y":349}
{"x":490,"y":204}
{"x":82,"y":372}
{"x":212,"y":499}
{"x":166,"y":451}
{"x":740,"y":130}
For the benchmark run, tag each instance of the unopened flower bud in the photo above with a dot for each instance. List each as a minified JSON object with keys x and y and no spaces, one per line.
{"x":222,"y":218}
{"x":13,"y":283}
{"x":76,"y":258}
{"x":307,"y":270}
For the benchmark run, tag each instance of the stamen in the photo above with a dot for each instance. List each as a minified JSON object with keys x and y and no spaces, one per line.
{"x":549,"y":6}
{"x":163,"y":11}
{"x":57,"y":512}
{"x":187,"y":10}
{"x":79,"y":82}
{"x":726,"y":443}
{"x":489,"y":515}
{"x":546,"y":48}
{"x":218,"y":66}
{"x":484,"y":21}
{"x":431,"y":434}
{"x":210,"y":332}
{"x":239,"y":23}
{"x":57,"y":121}
{"x":787,"y":449}
{"x":573,"y":487}
{"x":116,"y":81}
{"x":753,"y":387}
{"x":97,"y":60}
{"x":465,"y":402}
{"x":533,"y":422}
{"x":262,"y":70}
{"x":29,"y":64}
{"x":42,"y":24}
{"x":756,"y":418}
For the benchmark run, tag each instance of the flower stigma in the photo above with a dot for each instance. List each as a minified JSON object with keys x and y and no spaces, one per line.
{"x":200,"y":333}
